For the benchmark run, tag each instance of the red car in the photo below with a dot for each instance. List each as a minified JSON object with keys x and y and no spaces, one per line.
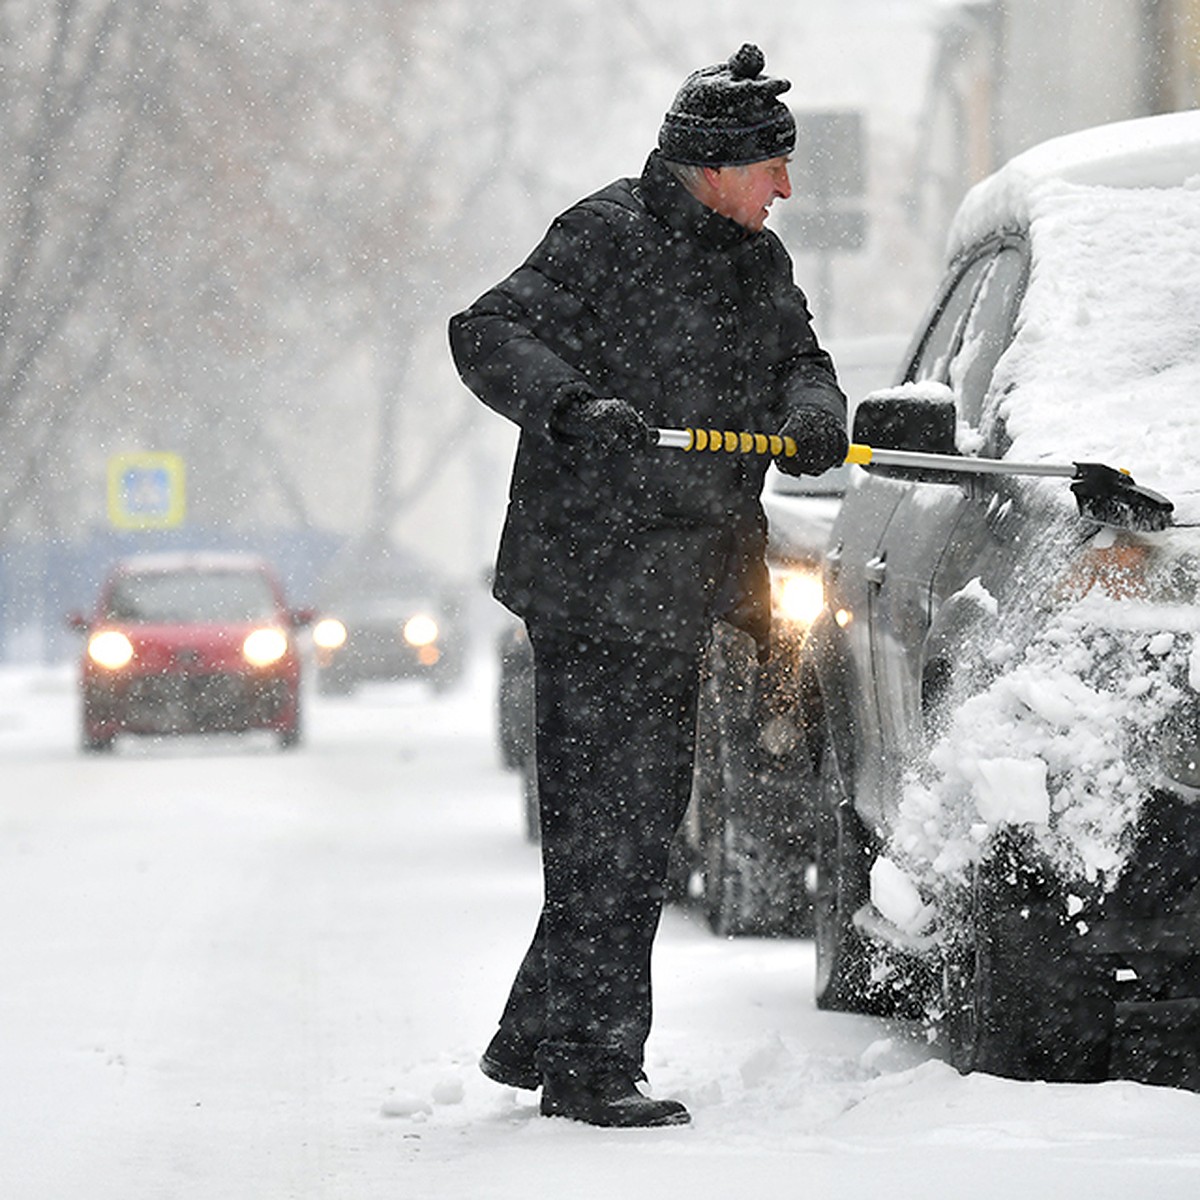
{"x":190,"y":643}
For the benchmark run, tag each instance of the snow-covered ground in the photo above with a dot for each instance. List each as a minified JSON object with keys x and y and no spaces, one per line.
{"x":233,"y":974}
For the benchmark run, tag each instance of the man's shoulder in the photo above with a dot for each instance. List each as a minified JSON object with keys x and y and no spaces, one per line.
{"x":616,"y":202}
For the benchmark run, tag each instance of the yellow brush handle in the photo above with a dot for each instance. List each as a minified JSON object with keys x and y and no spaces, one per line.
{"x":730,"y":441}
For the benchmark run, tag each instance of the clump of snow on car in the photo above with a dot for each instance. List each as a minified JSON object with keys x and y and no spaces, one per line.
{"x":1062,"y":741}
{"x":1009,"y":791}
{"x":897,"y":897}
{"x":975,"y":592}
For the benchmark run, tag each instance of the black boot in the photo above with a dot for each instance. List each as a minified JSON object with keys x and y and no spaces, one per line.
{"x":511,"y":1063}
{"x":610,"y":1099}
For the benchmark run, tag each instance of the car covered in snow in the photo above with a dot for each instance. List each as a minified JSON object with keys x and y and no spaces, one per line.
{"x":189,"y":643}
{"x":1003,"y":689}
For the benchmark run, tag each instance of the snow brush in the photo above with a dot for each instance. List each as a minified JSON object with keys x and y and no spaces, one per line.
{"x":1104,"y":494}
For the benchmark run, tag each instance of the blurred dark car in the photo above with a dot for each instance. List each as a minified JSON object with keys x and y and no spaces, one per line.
{"x":190,"y":643}
{"x":746,"y":847}
{"x":1004,"y":705}
{"x":393,"y":621}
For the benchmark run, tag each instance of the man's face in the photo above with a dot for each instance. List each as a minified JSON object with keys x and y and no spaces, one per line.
{"x":744,"y":194}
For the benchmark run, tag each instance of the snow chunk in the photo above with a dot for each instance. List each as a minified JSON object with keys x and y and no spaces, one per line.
{"x":1010,"y":790}
{"x":448,"y":1091}
{"x":976,"y":593}
{"x":895,"y":895}
{"x":405,"y":1105}
{"x":1161,"y":644}
{"x":765,"y":1061}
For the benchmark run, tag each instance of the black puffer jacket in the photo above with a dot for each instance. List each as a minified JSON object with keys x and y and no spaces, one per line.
{"x":643,"y":293}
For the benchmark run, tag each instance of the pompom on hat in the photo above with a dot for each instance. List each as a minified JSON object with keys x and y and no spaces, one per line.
{"x":728,"y":115}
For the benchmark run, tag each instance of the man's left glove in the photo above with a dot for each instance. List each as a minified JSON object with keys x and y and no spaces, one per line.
{"x":605,"y":422}
{"x":821,"y":443}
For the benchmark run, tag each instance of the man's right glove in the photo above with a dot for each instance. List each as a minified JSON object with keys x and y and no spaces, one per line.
{"x":604,"y":422}
{"x":821,"y":443}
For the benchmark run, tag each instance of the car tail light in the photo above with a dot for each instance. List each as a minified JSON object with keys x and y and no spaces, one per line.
{"x":1115,"y":564}
{"x":265,"y":646}
{"x":110,"y":649}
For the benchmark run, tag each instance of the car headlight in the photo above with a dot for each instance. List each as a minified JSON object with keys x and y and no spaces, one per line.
{"x":799,"y":596}
{"x":264,"y":647}
{"x":110,"y":649}
{"x":420,"y":630}
{"x":329,"y":633}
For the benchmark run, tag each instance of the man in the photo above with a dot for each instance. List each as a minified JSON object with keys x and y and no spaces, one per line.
{"x":659,"y":301}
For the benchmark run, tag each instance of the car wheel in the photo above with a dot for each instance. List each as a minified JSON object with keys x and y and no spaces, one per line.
{"x":755,"y":857}
{"x":97,"y":743}
{"x":750,"y":888}
{"x":843,"y":887}
{"x":1015,"y":1001}
{"x":290,"y":737}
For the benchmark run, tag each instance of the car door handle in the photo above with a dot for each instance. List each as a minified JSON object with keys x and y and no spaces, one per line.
{"x":875,"y":569}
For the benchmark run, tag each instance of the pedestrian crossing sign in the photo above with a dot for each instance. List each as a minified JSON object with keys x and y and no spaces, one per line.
{"x":145,"y":490}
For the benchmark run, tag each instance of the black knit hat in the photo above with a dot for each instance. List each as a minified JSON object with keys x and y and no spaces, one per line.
{"x":728,"y":115}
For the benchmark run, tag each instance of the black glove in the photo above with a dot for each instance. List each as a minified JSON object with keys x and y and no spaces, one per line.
{"x":821,"y":443}
{"x":604,"y":422}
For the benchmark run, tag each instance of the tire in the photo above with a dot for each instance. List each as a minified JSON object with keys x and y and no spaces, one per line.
{"x":290,"y":737}
{"x":751,"y":888}
{"x":843,"y":887}
{"x":755,"y":853}
{"x":97,"y":744}
{"x":1015,"y":1001}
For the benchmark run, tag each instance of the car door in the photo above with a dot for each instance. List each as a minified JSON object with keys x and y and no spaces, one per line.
{"x":939,"y":531}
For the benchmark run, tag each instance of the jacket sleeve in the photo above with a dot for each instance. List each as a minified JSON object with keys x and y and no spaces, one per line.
{"x":518,"y":345}
{"x":808,"y":380}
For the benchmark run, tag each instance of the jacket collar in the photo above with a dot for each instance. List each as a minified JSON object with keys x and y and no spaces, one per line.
{"x":668,"y":200}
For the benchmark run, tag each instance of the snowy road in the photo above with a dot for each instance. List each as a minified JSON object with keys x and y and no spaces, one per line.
{"x":235,"y":974}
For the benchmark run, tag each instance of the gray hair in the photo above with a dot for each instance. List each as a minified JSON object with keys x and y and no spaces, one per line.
{"x":689,"y":174}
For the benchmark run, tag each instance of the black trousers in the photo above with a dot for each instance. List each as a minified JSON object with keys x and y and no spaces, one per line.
{"x":615,"y":746}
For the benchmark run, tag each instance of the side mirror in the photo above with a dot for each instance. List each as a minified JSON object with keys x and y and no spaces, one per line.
{"x":78,"y":622}
{"x":914,"y":416}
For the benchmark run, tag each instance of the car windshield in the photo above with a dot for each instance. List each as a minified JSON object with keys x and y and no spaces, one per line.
{"x":184,"y":596}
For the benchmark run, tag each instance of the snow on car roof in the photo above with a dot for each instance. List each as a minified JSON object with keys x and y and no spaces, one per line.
{"x":1105,"y":364}
{"x":1162,"y":151}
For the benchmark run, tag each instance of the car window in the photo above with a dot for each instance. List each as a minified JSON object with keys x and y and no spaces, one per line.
{"x":987,"y":331}
{"x":184,"y":596}
{"x":974,"y":326}
{"x":939,"y":343}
